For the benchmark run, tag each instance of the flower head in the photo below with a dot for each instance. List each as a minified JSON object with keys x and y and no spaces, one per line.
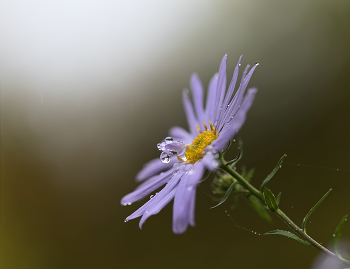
{"x":186,"y":155}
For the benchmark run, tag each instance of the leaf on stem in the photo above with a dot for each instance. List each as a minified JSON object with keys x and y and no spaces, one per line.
{"x":303,"y":226}
{"x":227,"y":194}
{"x":249,"y":175}
{"x":259,"y":208}
{"x":239,"y":154}
{"x":270,"y":200}
{"x":279,"y":198}
{"x":337,"y":235}
{"x":274,"y":171}
{"x":289,"y":235}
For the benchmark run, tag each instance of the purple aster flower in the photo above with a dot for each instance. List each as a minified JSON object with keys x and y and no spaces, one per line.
{"x":186,"y":155}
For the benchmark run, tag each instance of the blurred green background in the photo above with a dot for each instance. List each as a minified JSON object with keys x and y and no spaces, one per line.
{"x":88,"y":88}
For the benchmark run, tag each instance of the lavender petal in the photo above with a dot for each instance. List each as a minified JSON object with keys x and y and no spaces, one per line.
{"x":181,"y":134}
{"x":147,"y":187}
{"x":191,"y":118}
{"x":229,"y":93}
{"x":183,"y":210}
{"x":220,"y":92}
{"x":236,"y":123}
{"x":210,"y":105}
{"x":161,"y":199}
{"x":197,"y":93}
{"x":154,"y":167}
{"x":210,"y":162}
{"x":237,"y":100}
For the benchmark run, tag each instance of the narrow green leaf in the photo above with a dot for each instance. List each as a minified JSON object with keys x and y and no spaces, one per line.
{"x":259,"y":208}
{"x":249,"y":175}
{"x":337,"y":235}
{"x":289,"y":235}
{"x":228,"y":146}
{"x":274,"y":171}
{"x":239,"y":154}
{"x":279,"y":198}
{"x":227,"y":194}
{"x":270,"y":200}
{"x":303,"y":226}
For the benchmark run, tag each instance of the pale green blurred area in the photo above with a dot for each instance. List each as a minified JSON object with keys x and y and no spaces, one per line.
{"x":88,"y":88}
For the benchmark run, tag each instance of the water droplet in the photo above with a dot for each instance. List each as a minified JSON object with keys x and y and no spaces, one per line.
{"x":257,"y":63}
{"x":164,"y":157}
{"x":239,"y":64}
{"x":234,"y":140}
{"x":333,"y":235}
{"x":337,"y":170}
{"x":280,"y":166}
{"x":125,"y":221}
{"x":159,"y":146}
{"x":292,"y":207}
{"x":189,"y":188}
{"x":215,"y":163}
{"x":151,"y":196}
{"x":175,"y":172}
{"x":125,"y":204}
{"x":169,"y":139}
{"x":298,"y":164}
{"x":173,"y":152}
{"x":310,"y":221}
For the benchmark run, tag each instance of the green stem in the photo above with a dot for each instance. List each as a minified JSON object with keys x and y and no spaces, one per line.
{"x":279,"y":212}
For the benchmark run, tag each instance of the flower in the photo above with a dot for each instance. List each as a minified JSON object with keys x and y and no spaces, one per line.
{"x":186,"y":155}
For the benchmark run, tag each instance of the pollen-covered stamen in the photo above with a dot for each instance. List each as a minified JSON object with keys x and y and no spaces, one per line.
{"x":205,"y":126}
{"x":211,"y":126}
{"x":194,"y":152}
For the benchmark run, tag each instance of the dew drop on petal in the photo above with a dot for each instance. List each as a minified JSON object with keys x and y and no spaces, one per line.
{"x":239,"y":65}
{"x":164,"y":157}
{"x":159,"y":146}
{"x":169,"y":140}
{"x":151,"y":196}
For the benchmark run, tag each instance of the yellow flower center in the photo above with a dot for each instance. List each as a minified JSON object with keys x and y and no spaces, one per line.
{"x":195,"y":150}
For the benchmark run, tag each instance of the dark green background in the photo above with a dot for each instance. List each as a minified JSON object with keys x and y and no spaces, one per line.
{"x":111,"y":76}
